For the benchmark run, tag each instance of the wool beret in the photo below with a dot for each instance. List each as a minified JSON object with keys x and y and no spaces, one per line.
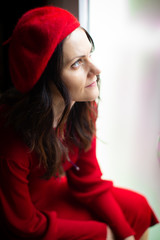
{"x":33,"y":41}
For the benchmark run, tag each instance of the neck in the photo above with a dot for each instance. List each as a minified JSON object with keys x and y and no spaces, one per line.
{"x":58,"y":105}
{"x":58,"y":108}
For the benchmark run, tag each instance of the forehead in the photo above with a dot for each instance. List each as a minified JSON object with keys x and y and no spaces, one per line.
{"x":76,"y":44}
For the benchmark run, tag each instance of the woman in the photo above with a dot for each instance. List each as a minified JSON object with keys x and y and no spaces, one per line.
{"x":51,"y":186}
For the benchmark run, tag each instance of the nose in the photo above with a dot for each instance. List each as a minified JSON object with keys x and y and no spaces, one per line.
{"x":93,"y":69}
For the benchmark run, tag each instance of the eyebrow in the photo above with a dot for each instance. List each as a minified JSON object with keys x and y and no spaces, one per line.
{"x":79,"y":56}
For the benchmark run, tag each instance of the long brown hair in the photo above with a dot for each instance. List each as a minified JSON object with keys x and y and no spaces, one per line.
{"x":32,"y":117}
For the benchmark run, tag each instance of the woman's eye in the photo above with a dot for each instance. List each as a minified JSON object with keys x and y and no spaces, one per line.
{"x":77,"y":63}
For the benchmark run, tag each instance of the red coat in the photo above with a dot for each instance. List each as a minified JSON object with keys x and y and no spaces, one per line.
{"x":78,"y":206}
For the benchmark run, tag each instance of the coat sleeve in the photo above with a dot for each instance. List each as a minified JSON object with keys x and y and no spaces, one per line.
{"x":89,"y":188}
{"x":19,"y":216}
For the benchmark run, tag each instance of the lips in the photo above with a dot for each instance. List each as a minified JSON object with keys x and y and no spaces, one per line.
{"x":92,"y":84}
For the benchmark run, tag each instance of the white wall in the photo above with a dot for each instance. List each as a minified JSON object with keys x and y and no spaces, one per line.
{"x":127,"y":43}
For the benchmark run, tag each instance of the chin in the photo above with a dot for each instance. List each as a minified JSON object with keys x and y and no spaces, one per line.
{"x":88,"y":97}
{"x":93,"y":94}
{"x":93,"y":98}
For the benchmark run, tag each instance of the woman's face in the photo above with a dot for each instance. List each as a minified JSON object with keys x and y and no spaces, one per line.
{"x":79,"y":72}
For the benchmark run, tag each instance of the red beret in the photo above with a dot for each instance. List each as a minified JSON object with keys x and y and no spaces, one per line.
{"x":34,"y":39}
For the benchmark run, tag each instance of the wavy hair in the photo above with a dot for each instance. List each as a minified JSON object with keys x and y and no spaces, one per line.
{"x":31,"y":114}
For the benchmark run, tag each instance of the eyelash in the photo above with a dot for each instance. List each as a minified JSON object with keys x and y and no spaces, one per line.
{"x":79,"y":61}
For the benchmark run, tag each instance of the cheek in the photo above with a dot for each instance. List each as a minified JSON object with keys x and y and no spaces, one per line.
{"x":74,"y":82}
{"x":70,"y":83}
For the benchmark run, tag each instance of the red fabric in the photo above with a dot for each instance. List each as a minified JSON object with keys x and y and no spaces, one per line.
{"x":78,"y":206}
{"x":136,"y":210}
{"x":34,"y":39}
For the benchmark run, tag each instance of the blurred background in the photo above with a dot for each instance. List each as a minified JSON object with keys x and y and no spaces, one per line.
{"x":127,"y":39}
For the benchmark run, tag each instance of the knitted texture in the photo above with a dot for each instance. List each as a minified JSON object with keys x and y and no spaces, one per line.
{"x":34,"y":39}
